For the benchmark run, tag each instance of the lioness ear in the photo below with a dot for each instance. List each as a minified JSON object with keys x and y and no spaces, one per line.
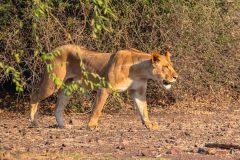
{"x":155,"y":56}
{"x":168,"y":55}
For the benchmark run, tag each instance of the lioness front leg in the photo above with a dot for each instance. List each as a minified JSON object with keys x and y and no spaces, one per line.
{"x":101,"y":98}
{"x":139,"y":98}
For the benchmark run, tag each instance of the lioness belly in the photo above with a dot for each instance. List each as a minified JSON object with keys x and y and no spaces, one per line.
{"x":123,"y":85}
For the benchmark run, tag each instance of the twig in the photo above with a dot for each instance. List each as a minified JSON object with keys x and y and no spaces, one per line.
{"x":85,"y":18}
{"x":66,"y":32}
{"x":222,"y":146}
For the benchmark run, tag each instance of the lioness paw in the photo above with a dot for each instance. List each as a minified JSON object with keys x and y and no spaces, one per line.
{"x":151,"y":125}
{"x":92,"y":126}
{"x":61,"y":126}
{"x":33,"y":125}
{"x":56,"y":126}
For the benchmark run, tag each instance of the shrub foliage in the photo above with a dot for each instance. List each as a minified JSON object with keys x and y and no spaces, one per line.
{"x":204,"y":36}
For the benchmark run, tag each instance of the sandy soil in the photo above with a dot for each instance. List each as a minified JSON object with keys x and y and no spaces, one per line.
{"x":186,"y":134}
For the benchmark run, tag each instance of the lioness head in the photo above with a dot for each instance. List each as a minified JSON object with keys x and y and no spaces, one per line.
{"x":163,"y":69}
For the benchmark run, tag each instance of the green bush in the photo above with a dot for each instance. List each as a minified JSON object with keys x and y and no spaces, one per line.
{"x":203,"y":35}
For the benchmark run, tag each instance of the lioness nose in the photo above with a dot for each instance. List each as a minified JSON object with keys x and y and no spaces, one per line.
{"x":175,"y":77}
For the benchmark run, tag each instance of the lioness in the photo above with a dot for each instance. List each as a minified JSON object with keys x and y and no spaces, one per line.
{"x":127,"y":69}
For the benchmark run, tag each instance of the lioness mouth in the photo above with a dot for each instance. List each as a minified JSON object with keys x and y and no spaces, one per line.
{"x":166,"y":84}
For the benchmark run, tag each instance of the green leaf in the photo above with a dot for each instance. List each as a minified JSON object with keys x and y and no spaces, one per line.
{"x":92,"y":22}
{"x":36,"y":53}
{"x":17,"y":57}
{"x":99,"y":27}
{"x":49,"y":68}
{"x":100,"y":2}
{"x":94,"y":35}
{"x":104,"y":18}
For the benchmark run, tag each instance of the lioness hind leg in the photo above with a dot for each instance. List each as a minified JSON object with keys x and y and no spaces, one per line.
{"x":34,"y":103}
{"x":46,"y":89}
{"x":34,"y":114}
{"x":62,"y":102}
{"x":101,"y":98}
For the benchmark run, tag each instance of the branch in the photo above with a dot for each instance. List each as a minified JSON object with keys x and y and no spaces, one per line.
{"x":222,"y":146}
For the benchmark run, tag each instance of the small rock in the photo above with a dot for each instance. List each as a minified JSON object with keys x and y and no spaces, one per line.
{"x":112,"y":127}
{"x":173,"y":138}
{"x":214,"y":151}
{"x":232,"y":151}
{"x":28,"y":149}
{"x":141,"y":153}
{"x":63,"y":145}
{"x":99,"y":141}
{"x":174,"y":151}
{"x":187,"y":134}
{"x":22,"y":131}
{"x":211,"y":151}
{"x":120,"y":147}
{"x":223,"y":129}
{"x":171,"y":141}
{"x":71,"y":121}
{"x":130,"y":130}
{"x":202,"y":150}
{"x":47,"y":143}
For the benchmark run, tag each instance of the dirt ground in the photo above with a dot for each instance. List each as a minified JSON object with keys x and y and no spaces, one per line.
{"x":190,"y":133}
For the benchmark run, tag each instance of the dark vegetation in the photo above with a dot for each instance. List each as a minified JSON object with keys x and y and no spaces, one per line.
{"x":204,"y":37}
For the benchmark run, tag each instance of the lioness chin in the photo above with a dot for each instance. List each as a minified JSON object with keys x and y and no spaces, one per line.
{"x":126,"y":70}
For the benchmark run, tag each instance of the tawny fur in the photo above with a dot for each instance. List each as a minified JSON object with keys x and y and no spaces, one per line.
{"x":127,"y":69}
